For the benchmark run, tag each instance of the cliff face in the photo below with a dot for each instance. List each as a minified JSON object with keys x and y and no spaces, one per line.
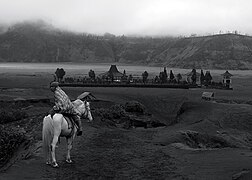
{"x":227,"y":51}
{"x":42,"y":43}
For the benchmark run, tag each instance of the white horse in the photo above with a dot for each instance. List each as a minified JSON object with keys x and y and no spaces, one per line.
{"x":58,"y":126}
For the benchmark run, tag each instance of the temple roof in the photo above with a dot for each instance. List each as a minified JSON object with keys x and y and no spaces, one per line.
{"x":112,"y":70}
{"x":227,"y":74}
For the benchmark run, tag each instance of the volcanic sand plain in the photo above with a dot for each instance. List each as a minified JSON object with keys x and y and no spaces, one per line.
{"x":202,"y":139}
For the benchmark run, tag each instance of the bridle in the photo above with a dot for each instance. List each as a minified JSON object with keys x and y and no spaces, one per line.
{"x":83,"y":112}
{"x":87,"y":108}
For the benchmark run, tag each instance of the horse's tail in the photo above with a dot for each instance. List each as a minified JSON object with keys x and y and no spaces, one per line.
{"x":47,"y":134}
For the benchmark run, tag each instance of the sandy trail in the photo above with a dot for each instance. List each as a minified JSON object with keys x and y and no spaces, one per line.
{"x":101,"y":154}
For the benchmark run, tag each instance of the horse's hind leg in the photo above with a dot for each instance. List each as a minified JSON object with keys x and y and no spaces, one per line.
{"x":69,"y":147}
{"x":53,"y":145}
{"x":48,"y":158}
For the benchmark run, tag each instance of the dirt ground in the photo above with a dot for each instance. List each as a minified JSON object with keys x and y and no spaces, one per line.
{"x":202,"y":140}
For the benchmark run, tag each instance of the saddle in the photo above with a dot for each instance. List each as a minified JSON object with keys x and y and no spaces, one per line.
{"x":70,"y":122}
{"x":68,"y":117}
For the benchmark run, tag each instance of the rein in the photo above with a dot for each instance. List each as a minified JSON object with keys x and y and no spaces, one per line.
{"x":87,"y":109}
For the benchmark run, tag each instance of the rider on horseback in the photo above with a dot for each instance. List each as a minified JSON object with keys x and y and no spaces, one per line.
{"x":64,"y":105}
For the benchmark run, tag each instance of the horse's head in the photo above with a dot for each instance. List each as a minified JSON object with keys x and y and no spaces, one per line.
{"x":83,"y":107}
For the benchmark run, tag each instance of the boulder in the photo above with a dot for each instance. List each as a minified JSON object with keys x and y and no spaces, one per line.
{"x":134,"y":106}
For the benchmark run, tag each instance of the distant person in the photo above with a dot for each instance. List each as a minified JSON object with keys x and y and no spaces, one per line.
{"x":64,"y":105}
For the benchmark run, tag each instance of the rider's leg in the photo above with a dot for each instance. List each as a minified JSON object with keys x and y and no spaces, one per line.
{"x":78,"y":122}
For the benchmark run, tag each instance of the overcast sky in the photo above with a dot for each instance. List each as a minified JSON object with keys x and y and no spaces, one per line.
{"x":138,"y":17}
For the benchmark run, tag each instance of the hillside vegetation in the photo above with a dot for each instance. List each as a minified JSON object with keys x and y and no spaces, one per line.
{"x":40,"y":42}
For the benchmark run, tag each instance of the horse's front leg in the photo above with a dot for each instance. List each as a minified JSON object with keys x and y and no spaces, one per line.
{"x":53,"y":145}
{"x":69,"y":147}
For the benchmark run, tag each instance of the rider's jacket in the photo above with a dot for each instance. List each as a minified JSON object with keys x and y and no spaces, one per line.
{"x":63,"y":103}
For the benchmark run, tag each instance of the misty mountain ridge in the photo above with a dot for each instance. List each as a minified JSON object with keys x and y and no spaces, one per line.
{"x":40,"y":42}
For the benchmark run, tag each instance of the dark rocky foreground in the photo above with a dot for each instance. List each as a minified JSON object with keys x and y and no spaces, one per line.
{"x":140,"y":136}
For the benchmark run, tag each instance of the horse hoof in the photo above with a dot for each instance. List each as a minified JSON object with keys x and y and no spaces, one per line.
{"x":69,"y":161}
{"x":55,"y":165}
{"x":48,"y":163}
